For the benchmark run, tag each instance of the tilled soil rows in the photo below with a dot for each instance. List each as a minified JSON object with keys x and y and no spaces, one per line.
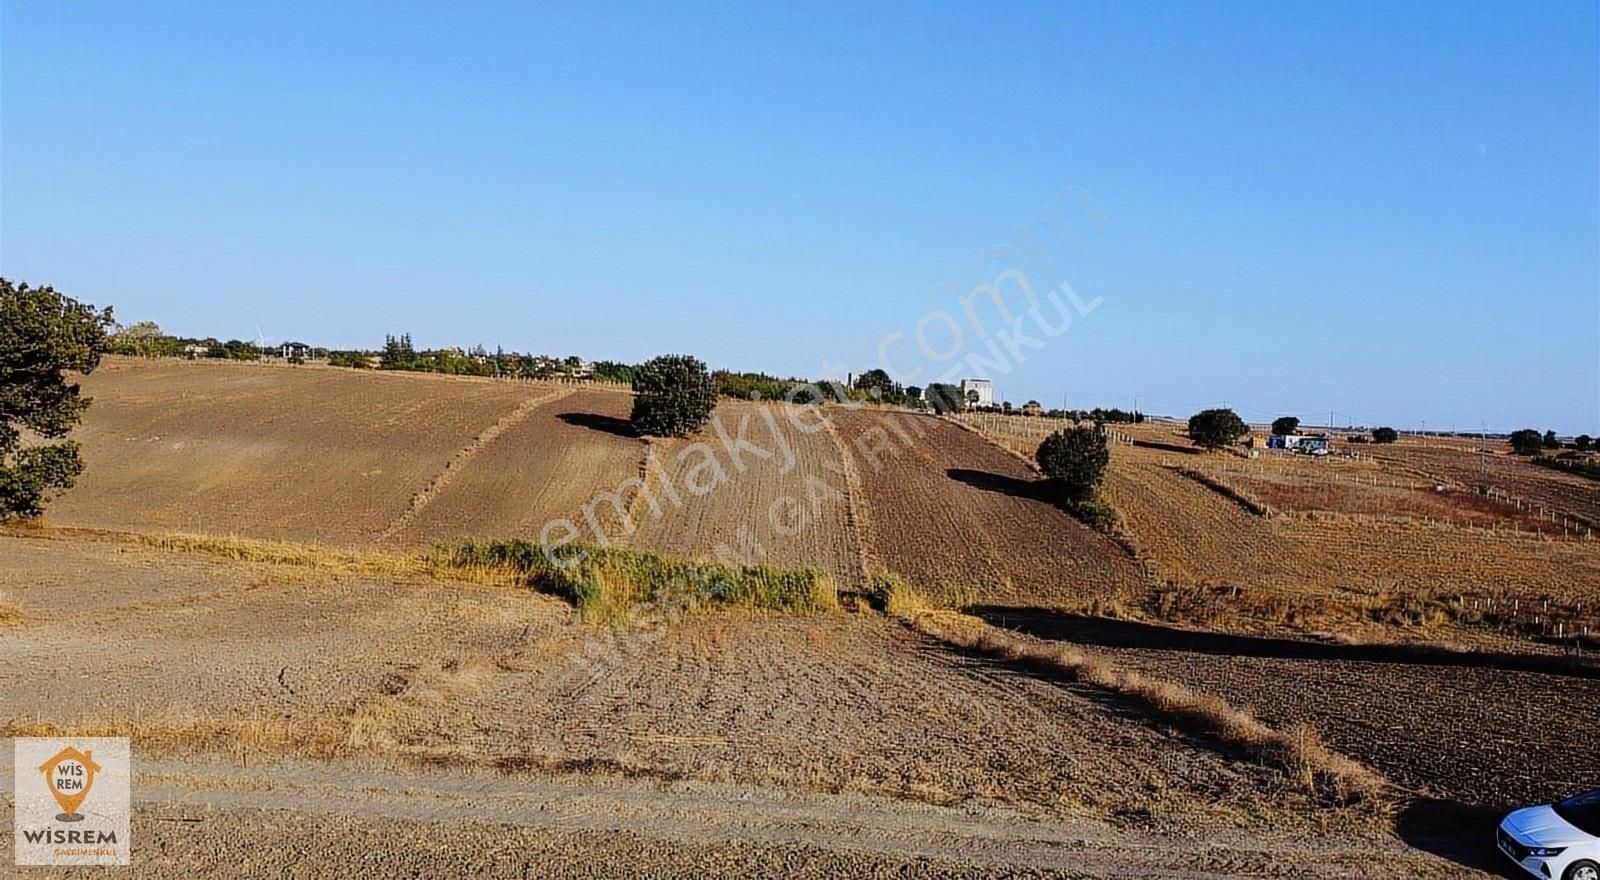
{"x":549,"y":466}
{"x":1480,"y":735}
{"x":779,"y":499}
{"x":306,"y":454}
{"x":954,"y":514}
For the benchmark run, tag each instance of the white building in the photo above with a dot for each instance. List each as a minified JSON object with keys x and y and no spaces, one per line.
{"x":983,"y":388}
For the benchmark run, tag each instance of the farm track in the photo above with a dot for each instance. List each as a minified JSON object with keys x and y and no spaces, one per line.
{"x":860,"y":523}
{"x":464,"y":455}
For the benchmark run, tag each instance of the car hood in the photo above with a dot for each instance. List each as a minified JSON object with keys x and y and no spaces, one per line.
{"x":1540,"y":826}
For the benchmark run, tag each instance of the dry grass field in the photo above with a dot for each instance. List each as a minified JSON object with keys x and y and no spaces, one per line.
{"x":1080,"y":726}
{"x":291,"y":673}
{"x":297,"y":454}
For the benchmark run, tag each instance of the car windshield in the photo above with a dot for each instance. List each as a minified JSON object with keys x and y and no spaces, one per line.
{"x":1583,"y":811}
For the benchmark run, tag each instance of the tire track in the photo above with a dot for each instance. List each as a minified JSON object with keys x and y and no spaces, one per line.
{"x":860,"y":527}
{"x":442,"y":479}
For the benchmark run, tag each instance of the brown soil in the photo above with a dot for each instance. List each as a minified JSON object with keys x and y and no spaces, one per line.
{"x":1464,"y":731}
{"x":546,"y":467}
{"x":788,"y":510}
{"x":952,"y":513}
{"x":326,"y":455}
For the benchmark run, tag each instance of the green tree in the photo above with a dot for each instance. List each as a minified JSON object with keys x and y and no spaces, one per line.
{"x":1527,"y":441}
{"x":1582,"y":442}
{"x":1074,"y":460}
{"x":945,"y":398}
{"x":43,"y":334}
{"x":140,"y":339}
{"x":877,"y":383}
{"x":1285,"y":425}
{"x":913,"y":392}
{"x":398,"y":353}
{"x":1216,"y":428}
{"x":673,"y":396}
{"x":1385,"y":435}
{"x":1551,"y":441}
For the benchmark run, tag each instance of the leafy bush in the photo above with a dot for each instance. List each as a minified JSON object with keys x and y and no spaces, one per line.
{"x":1527,"y":441}
{"x":1074,"y":460}
{"x":1285,"y":425}
{"x":1385,"y":435}
{"x":673,"y":396}
{"x":1216,"y":428}
{"x":353,"y":359}
{"x":1094,"y":512}
{"x":42,"y":335}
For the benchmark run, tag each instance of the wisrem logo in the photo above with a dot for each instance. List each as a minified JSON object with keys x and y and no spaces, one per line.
{"x":88,"y":781}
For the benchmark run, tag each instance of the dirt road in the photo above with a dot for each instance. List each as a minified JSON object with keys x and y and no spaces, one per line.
{"x":306,"y":819}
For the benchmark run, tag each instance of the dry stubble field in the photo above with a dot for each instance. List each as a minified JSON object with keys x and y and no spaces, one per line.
{"x":337,"y":659}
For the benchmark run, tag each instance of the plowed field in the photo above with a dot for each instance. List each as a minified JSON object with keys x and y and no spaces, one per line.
{"x":788,"y":509}
{"x":547,"y":466}
{"x":307,"y":454}
{"x":1476,"y":734}
{"x":951,"y":512}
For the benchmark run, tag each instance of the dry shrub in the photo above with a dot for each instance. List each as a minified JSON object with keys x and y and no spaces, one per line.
{"x":163,"y":734}
{"x":376,"y":722}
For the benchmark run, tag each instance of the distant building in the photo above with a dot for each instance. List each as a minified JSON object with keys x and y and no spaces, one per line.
{"x":1310,"y":444}
{"x":196,"y":350}
{"x":982,"y":388}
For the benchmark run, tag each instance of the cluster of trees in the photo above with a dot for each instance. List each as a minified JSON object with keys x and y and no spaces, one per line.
{"x":400,"y":354}
{"x":146,"y":339}
{"x":43,"y":335}
{"x":1529,"y":441}
{"x":762,"y":386}
{"x":877,"y":385}
{"x":1583,"y":467}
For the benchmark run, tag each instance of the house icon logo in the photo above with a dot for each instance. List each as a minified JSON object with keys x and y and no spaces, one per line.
{"x":69,"y":776}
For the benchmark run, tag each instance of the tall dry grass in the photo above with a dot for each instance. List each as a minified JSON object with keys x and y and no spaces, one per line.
{"x":1298,"y":752}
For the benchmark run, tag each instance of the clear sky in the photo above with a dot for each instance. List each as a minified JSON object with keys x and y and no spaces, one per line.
{"x":1388,"y":210}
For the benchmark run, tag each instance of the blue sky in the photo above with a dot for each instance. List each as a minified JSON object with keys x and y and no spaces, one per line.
{"x":1385,"y":210}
